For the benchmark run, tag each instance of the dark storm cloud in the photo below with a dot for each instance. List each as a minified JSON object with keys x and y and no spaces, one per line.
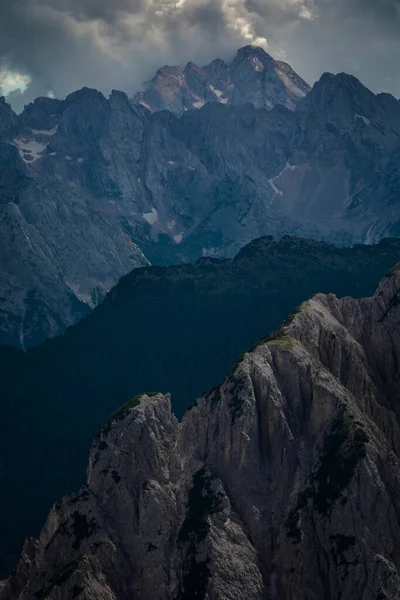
{"x":63,"y":45}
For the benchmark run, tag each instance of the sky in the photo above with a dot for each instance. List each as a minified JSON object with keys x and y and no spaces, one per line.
{"x":53,"y":47}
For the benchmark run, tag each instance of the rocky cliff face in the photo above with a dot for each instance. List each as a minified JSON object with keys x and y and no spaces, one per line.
{"x":253,"y":76}
{"x":177,"y":329}
{"x":91,"y":188}
{"x":281,"y":483}
{"x":63,"y":245}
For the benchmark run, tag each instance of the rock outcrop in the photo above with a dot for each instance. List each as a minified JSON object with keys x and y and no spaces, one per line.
{"x":175,"y":329}
{"x":253,"y":76}
{"x":280,"y":483}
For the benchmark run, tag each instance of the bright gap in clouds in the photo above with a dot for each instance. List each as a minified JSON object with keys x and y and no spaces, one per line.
{"x":11,"y":82}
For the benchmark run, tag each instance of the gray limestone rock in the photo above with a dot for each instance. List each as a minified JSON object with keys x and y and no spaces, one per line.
{"x":281,"y":483}
{"x":253,"y":76}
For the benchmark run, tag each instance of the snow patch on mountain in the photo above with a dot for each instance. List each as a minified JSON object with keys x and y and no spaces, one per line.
{"x":151,"y":217}
{"x":290,"y":85}
{"x":178,"y":238}
{"x":288,"y":167}
{"x":217,"y":93}
{"x":29,"y":150}
{"x":257,"y":64}
{"x":143,"y":103}
{"x":45,"y":131}
{"x":272,"y":184}
{"x":362,"y":118}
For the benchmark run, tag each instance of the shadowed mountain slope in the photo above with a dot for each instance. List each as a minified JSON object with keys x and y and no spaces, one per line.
{"x":281,"y":483}
{"x":175,"y":329}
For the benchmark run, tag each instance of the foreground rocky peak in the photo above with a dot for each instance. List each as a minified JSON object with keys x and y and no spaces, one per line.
{"x":253,"y":76}
{"x":120,"y":350}
{"x":280,"y":483}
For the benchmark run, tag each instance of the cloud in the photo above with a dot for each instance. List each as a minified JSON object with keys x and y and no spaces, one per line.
{"x":354,"y":36}
{"x":62,"y":45}
{"x":13,"y":82}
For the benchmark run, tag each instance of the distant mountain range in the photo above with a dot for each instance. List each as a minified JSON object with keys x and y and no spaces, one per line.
{"x":282,"y":482}
{"x":91,"y":188}
{"x":253,"y":76}
{"x":175,"y":329}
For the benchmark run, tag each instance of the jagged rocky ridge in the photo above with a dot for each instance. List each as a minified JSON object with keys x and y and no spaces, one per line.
{"x":280,"y":483}
{"x":253,"y":76}
{"x":88,"y":185}
{"x":176,"y":329}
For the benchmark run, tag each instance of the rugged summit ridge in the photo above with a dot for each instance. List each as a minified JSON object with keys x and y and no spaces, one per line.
{"x":253,"y":76}
{"x":91,"y":187}
{"x":283,"y":481}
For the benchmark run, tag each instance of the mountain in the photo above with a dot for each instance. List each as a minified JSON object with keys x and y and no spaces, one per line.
{"x":351,"y":137}
{"x":91,"y":188}
{"x":253,"y":76}
{"x":62,"y":242}
{"x":282,"y":482}
{"x":175,"y":329}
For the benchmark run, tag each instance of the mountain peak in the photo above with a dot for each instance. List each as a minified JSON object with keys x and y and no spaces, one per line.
{"x":250,"y":48}
{"x":191,"y":66}
{"x":253,"y":76}
{"x":192,"y":502}
{"x":4,"y":103}
{"x":83,"y":94}
{"x":256,"y":56}
{"x":43,"y":113}
{"x":249,"y":52}
{"x":8,"y":118}
{"x":341,"y":80}
{"x":343,"y":99}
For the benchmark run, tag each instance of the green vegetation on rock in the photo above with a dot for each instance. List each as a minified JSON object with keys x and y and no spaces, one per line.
{"x":123,"y":411}
{"x":58,"y":578}
{"x":285,"y":342}
{"x":344,"y":446}
{"x":393,"y":272}
{"x":203,"y":502}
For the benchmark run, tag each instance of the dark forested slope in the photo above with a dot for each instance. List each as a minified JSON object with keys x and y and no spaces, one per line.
{"x":173,"y":329}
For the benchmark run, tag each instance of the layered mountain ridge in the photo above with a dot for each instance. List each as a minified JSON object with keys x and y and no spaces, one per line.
{"x":282,"y":482}
{"x":176,"y":329}
{"x":92,"y":187}
{"x":253,"y":76}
